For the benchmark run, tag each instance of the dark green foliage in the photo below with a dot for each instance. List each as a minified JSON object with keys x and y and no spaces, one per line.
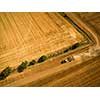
{"x":5,"y":73}
{"x":74,"y":46}
{"x":22,"y":66}
{"x":66,"y":50}
{"x":42,"y":59}
{"x":32,"y":62}
{"x":70,"y":48}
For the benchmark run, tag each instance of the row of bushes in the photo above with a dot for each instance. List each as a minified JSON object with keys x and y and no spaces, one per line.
{"x":25,"y":64}
{"x":76,"y":45}
{"x":7,"y":71}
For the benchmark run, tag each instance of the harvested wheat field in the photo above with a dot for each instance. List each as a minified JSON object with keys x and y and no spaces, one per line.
{"x":68,"y":41}
{"x":26,"y":36}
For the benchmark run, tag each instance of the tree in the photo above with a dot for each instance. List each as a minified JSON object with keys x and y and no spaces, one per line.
{"x":74,"y":46}
{"x":66,"y":50}
{"x":22,"y":66}
{"x":5,"y":73}
{"x":32,"y":62}
{"x":42,"y":59}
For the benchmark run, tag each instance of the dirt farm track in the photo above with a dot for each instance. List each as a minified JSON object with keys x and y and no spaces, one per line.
{"x":27,"y":36}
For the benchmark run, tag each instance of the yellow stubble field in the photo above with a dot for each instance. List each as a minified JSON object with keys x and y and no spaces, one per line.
{"x":27,"y":36}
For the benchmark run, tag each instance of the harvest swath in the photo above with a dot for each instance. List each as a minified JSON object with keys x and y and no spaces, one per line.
{"x":27,"y":36}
